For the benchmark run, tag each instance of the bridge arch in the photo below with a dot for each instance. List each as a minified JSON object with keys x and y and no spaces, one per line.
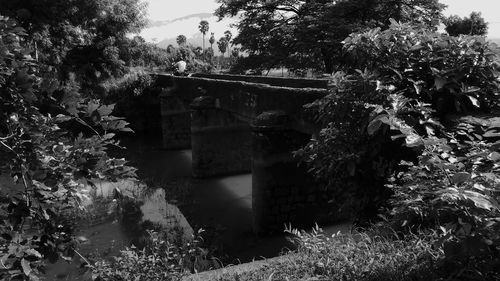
{"x":239,"y":126}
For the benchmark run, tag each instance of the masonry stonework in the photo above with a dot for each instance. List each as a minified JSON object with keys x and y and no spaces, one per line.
{"x":235,"y":126}
{"x":221,"y":144}
{"x":176,"y":122}
{"x":282,"y":191}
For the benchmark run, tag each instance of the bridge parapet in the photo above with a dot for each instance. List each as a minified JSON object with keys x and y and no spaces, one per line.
{"x":243,"y":99}
{"x":269,"y":80}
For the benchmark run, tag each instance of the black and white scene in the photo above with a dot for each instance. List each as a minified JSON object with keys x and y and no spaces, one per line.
{"x":249,"y":140}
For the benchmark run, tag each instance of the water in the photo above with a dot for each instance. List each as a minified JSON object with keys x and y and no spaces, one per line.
{"x":222,"y":206}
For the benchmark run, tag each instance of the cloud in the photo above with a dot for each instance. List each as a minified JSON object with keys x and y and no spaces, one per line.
{"x":156,"y":23}
{"x":167,"y":30}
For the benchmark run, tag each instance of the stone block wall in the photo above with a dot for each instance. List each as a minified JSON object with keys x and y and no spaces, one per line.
{"x":176,"y":123}
{"x":221,"y":143}
{"x":283,"y":192}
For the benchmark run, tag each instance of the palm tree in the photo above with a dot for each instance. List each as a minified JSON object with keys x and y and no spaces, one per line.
{"x":212,"y":40}
{"x":203,"y":27}
{"x":222,"y":43}
{"x":228,"y":36}
{"x":181,"y":40}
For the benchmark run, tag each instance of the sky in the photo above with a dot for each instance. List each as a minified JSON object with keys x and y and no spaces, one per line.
{"x":489,"y":10}
{"x":161,"y":11}
{"x":172,"y":9}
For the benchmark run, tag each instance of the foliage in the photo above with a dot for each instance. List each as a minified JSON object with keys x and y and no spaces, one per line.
{"x":194,"y":60}
{"x":203,"y":27}
{"x":211,"y":40}
{"x":300,"y":34}
{"x":411,"y":103}
{"x":223,"y":44}
{"x":138,"y":53}
{"x":235,"y":53}
{"x":181,"y":40}
{"x":454,"y":189}
{"x":82,"y":37}
{"x":158,"y":260}
{"x":472,"y":25}
{"x":409,"y":85}
{"x":228,"y":35}
{"x":53,"y":152}
{"x":359,"y":256}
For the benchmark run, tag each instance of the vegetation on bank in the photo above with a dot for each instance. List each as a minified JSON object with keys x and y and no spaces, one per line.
{"x":410,"y":141}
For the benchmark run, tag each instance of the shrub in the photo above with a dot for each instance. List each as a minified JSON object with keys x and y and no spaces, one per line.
{"x":406,"y":119}
{"x":413,"y":79}
{"x":362,"y":256}
{"x":161,"y":259}
{"x":54,"y":144}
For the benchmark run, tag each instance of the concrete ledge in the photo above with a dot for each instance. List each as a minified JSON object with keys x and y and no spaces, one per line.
{"x":272,"y":81}
{"x":214,"y":275}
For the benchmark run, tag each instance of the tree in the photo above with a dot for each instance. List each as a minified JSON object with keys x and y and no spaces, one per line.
{"x":299,"y":33}
{"x":54,"y":152}
{"x":228,"y":35}
{"x":235,"y":52}
{"x":198,"y":51}
{"x":222,"y":44}
{"x":203,"y":27}
{"x":212,"y":40}
{"x":82,"y":37}
{"x":472,"y":25}
{"x":209,"y":53}
{"x":414,"y":80}
{"x":181,"y":40}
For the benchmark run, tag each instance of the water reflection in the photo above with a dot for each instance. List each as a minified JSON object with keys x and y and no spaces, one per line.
{"x":222,"y":205}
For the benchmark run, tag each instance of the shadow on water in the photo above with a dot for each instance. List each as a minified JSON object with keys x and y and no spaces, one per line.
{"x":222,"y":206}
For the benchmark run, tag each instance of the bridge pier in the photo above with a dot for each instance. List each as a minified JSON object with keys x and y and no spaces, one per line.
{"x":176,"y":127}
{"x":221,"y":143}
{"x":282,"y":190}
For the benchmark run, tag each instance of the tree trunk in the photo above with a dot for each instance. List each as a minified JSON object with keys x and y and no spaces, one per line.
{"x":327,"y":60}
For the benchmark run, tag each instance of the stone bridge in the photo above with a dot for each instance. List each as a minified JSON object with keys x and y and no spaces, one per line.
{"x":238,"y":124}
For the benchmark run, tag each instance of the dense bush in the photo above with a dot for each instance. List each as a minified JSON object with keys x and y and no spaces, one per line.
{"x":399,"y":129}
{"x":161,"y":259}
{"x":53,"y":143}
{"x":357,"y":257}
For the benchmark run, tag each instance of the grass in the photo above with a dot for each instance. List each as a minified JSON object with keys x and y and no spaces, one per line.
{"x":361,"y":256}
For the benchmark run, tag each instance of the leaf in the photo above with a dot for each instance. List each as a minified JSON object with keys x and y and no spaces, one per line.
{"x":413,"y":140}
{"x":494,"y":156}
{"x":480,"y":200}
{"x":33,"y":252}
{"x":460,"y":177}
{"x":491,"y":134}
{"x":106,"y":110}
{"x":376,"y":123}
{"x":62,"y":118}
{"x":26,"y":267}
{"x":439,"y":83}
{"x":92,"y":106}
{"x":416,"y":47}
{"x":108,"y":136}
{"x":474,"y":101}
